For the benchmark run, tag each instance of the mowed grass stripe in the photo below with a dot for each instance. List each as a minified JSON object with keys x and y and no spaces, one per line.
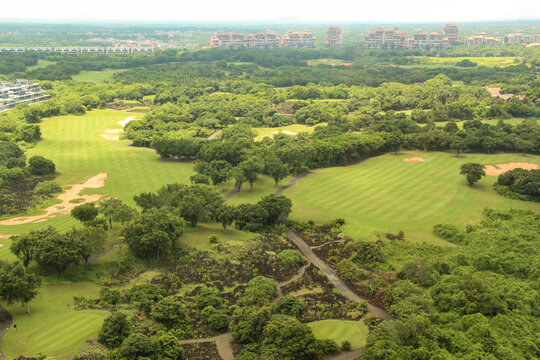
{"x":387,"y":194}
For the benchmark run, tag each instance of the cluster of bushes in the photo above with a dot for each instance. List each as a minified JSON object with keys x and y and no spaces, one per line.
{"x":519,"y":184}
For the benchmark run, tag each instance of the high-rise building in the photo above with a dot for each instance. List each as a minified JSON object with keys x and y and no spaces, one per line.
{"x":223,"y":40}
{"x":298,"y":39}
{"x":19,"y":92}
{"x":262,"y":40}
{"x":451,"y":33}
{"x":482,"y":39}
{"x":426,"y":41}
{"x":387,"y":39}
{"x":334,"y":36}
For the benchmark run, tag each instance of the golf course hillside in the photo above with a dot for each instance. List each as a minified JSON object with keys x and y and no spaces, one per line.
{"x":386,"y":193}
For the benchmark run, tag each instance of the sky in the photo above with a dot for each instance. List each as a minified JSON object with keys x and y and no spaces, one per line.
{"x":355,"y":11}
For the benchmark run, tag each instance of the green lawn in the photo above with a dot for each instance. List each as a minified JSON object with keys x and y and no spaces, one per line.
{"x":332,"y":62}
{"x":512,"y":121}
{"x":263,"y":186}
{"x":40,"y":64}
{"x":5,"y":254}
{"x":435,"y":62}
{"x":53,"y":327}
{"x":385,"y":193}
{"x":198,"y":236}
{"x":340,"y":330}
{"x":289,"y":130}
{"x":79,"y":152}
{"x":96,"y":76}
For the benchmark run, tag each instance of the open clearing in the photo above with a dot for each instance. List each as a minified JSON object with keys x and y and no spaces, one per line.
{"x":332,"y":62}
{"x":435,"y":62}
{"x":53,"y":327}
{"x":40,"y":64}
{"x":387,"y":194}
{"x":75,"y":145}
{"x":340,"y":330}
{"x":96,"y":76}
{"x":294,"y":129}
{"x":498,"y":169}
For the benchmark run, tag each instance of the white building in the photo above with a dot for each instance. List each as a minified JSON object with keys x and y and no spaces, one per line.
{"x":11,"y":49}
{"x":117,"y":50}
{"x":92,"y":50}
{"x":39,"y":49}
{"x":67,"y":50}
{"x":142,"y":50}
{"x":20,"y":92}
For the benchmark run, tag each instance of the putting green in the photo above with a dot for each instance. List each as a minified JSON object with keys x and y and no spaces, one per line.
{"x":53,"y":327}
{"x":385,"y":193}
{"x":79,"y":151}
{"x":341,"y":330}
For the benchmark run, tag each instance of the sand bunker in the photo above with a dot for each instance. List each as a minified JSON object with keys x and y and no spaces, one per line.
{"x":111,"y":134}
{"x":125,"y":121}
{"x":499,"y":169}
{"x":286,"y":132}
{"x":415,"y":159}
{"x":6,"y":236}
{"x":74,"y":192}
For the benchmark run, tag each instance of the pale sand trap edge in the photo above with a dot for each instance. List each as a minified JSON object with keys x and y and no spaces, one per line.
{"x":110,"y":137}
{"x":74,"y":192}
{"x":125,"y":121}
{"x":7,"y":236}
{"x":286,"y":132}
{"x":415,"y":159}
{"x":499,"y":169}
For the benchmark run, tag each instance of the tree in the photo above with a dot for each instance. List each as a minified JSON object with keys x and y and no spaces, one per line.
{"x":91,"y":241}
{"x":260,"y":290}
{"x":251,"y":217}
{"x":239,"y":178}
{"x":198,"y":201}
{"x":153,"y":233}
{"x":169,"y":312}
{"x":17,"y":285}
{"x":277,"y":207}
{"x":138,"y":346}
{"x":85,"y":212}
{"x":220,"y":171}
{"x":472,"y":172}
{"x":457,"y":145}
{"x":285,"y":337}
{"x":23,"y":246}
{"x":58,"y":250}
{"x":251,"y":168}
{"x":225,"y":215}
{"x":116,"y":210}
{"x":291,"y":259}
{"x":114,"y":330}
{"x":290,"y":306}
{"x":38,"y":165}
{"x":275,"y":168}
{"x":247,"y":323}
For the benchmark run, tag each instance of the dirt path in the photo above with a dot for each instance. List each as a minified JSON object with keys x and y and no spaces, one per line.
{"x":349,"y":355}
{"x":65,"y":207}
{"x":326,"y":243}
{"x":5,"y":322}
{"x":223,"y":344}
{"x":297,"y":277}
{"x":293,"y":182}
{"x":214,"y":134}
{"x":332,"y":275}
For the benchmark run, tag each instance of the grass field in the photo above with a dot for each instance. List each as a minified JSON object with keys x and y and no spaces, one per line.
{"x":96,"y":76}
{"x":40,"y":64}
{"x":294,"y":129}
{"x":332,"y":62}
{"x":79,"y":152}
{"x":53,"y":327}
{"x":512,"y":121}
{"x":435,"y":62}
{"x":340,"y":330}
{"x":198,"y":236}
{"x":387,"y":194}
{"x":263,"y":186}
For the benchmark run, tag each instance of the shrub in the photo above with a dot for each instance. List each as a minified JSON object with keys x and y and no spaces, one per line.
{"x":38,"y":165}
{"x":47,"y":188}
{"x":110,"y":296}
{"x":291,"y":259}
{"x":346,"y":345}
{"x":169,"y":312}
{"x":327,"y":346}
{"x":208,"y":297}
{"x":214,"y":239}
{"x":449,"y":233}
{"x":349,"y":271}
{"x":291,"y":306}
{"x":114,"y":330}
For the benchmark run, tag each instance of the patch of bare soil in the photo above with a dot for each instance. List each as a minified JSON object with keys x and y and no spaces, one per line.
{"x":415,"y":159}
{"x":74,"y":192}
{"x":111,"y":134}
{"x":498,"y":169}
{"x":6,"y":236}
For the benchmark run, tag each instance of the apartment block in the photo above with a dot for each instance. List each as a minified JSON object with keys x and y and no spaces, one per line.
{"x":387,"y":39}
{"x":67,"y":50}
{"x":451,"y":32}
{"x":11,"y":49}
{"x":117,"y":50}
{"x":92,"y":50}
{"x":262,"y":40}
{"x":482,"y":39}
{"x":20,"y":92}
{"x":334,"y":36}
{"x":223,"y":40}
{"x":142,"y":50}
{"x":521,"y":38}
{"x":298,"y":39}
{"x":427,"y":41}
{"x":39,"y":49}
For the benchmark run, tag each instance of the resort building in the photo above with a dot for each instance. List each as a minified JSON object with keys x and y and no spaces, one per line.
{"x":142,"y":50}
{"x":39,"y":49}
{"x":334,"y":36}
{"x":92,"y":50}
{"x":451,"y":33}
{"x":223,"y":40}
{"x":427,"y":41}
{"x":11,"y":49}
{"x":19,"y":92}
{"x":117,"y":50}
{"x":262,"y":40}
{"x":67,"y":50}
{"x":482,"y":39}
{"x":387,"y":39}
{"x":521,"y":38}
{"x":298,"y":39}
